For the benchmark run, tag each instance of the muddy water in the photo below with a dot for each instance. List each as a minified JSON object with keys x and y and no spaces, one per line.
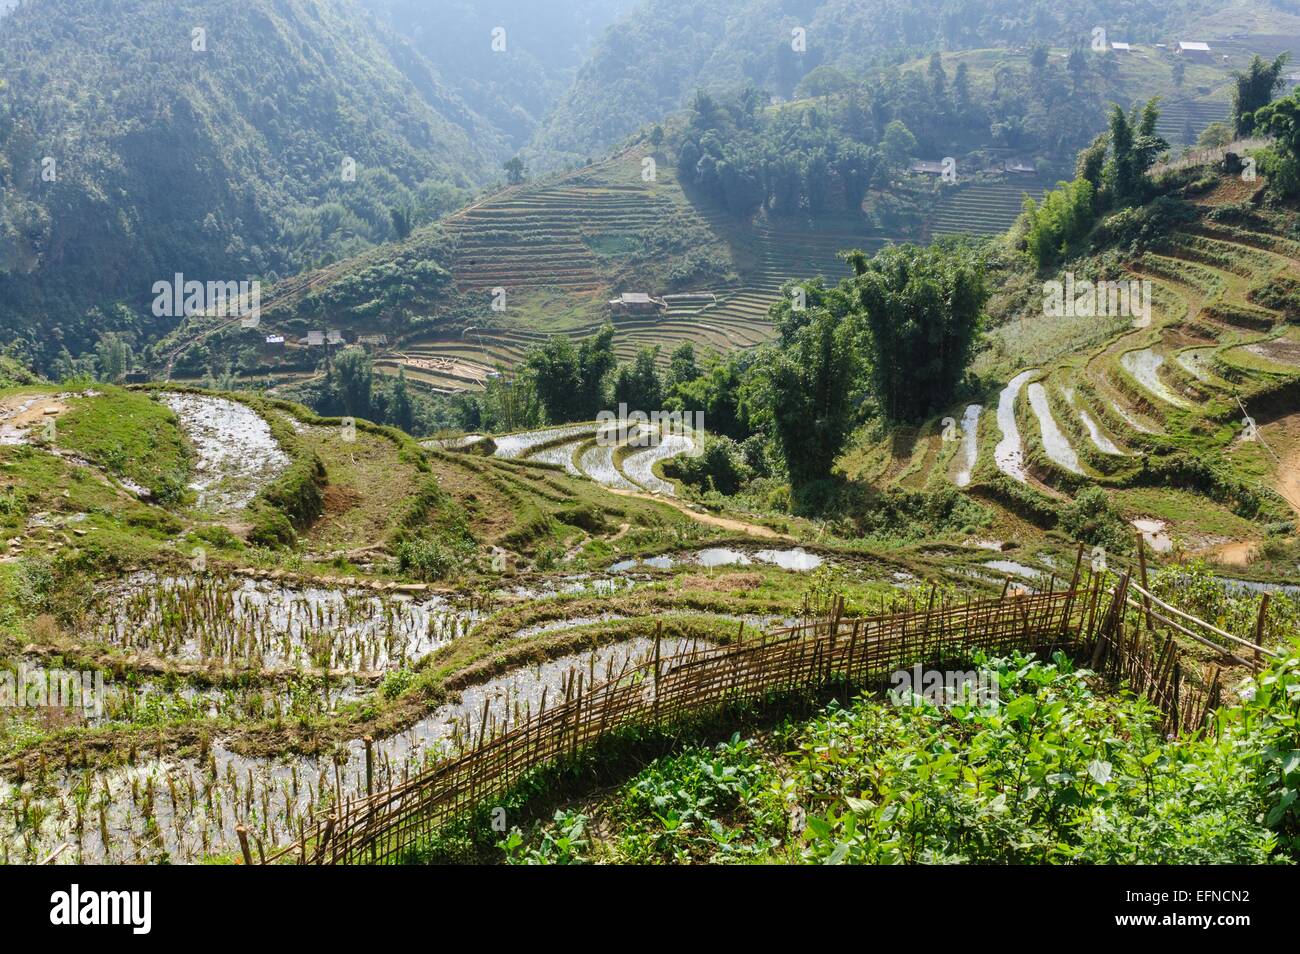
{"x":156,"y":700}
{"x":1155,"y":532}
{"x":561,"y":454}
{"x":1255,"y":586}
{"x":1196,"y":361}
{"x":271,"y":624}
{"x":968,"y":452}
{"x":184,"y":810}
{"x":512,"y":446}
{"x":1055,"y":442}
{"x":663,"y":562}
{"x":572,"y":586}
{"x":1099,"y":438}
{"x":1144,"y":365}
{"x":1009,"y":455}
{"x":1132,"y":421}
{"x":551,"y":627}
{"x":12,"y":435}
{"x":237,"y":456}
{"x":639,"y":465}
{"x":1012,"y":568}
{"x":796,"y":559}
{"x":597,"y":462}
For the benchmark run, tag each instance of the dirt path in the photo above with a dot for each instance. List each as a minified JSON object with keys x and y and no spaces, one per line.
{"x":19,"y":412}
{"x":724,"y":523}
{"x":1288,"y":479}
{"x":1235,"y":553}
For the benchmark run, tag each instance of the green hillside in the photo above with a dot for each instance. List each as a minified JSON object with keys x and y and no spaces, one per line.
{"x":674,"y":447}
{"x":196,"y":164}
{"x":730,"y":44}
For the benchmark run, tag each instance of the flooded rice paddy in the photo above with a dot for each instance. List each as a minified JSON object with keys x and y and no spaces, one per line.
{"x":1055,"y":442}
{"x":270,"y":624}
{"x":237,"y":454}
{"x":1009,"y":454}
{"x":1145,"y":365}
{"x":185,"y":810}
{"x":968,"y":451}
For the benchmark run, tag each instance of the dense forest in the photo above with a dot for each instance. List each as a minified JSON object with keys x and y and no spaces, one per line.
{"x":823,"y":153}
{"x":133,"y":147}
{"x":237,"y":144}
{"x":655,"y":58}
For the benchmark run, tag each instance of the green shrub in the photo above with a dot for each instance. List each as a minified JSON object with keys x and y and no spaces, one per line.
{"x":425,"y":559}
{"x":271,"y":529}
{"x":563,"y":843}
{"x":720,"y":467}
{"x":1091,"y":519}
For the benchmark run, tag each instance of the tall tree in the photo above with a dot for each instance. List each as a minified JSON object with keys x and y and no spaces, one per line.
{"x":638,"y":385}
{"x":1253,"y":89}
{"x":515,"y":170}
{"x":921,"y":310}
{"x":681,"y":366}
{"x":558,"y":379}
{"x":596,"y":362}
{"x":813,"y":382}
{"x":938,"y":77}
{"x":400,"y":412}
{"x":356,"y":379}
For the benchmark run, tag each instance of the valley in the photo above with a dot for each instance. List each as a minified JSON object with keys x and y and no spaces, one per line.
{"x":665,"y":449}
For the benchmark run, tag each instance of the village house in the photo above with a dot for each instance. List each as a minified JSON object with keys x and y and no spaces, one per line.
{"x":929,"y":167}
{"x":636,"y":303}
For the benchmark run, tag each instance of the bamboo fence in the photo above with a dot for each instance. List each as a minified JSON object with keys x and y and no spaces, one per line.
{"x":1086,"y":620}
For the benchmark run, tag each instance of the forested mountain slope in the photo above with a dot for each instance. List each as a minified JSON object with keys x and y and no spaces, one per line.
{"x":132,"y":148}
{"x":509,"y":60}
{"x":655,"y":57}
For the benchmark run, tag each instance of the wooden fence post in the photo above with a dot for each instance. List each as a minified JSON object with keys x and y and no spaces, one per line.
{"x":1260,"y":623}
{"x":370,"y":764}
{"x":659,"y":632}
{"x":1142,"y":567}
{"x":242,"y":832}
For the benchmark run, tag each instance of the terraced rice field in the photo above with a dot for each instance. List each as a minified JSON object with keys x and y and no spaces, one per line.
{"x":237,"y":455}
{"x":1010,"y":452}
{"x":1099,"y":437}
{"x":260,"y":623}
{"x":1152,"y":382}
{"x":1055,"y":443}
{"x":969,"y":449}
{"x":983,"y":208}
{"x":618,"y":461}
{"x":553,"y":248}
{"x":186,"y":809}
{"x":1181,"y":116}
